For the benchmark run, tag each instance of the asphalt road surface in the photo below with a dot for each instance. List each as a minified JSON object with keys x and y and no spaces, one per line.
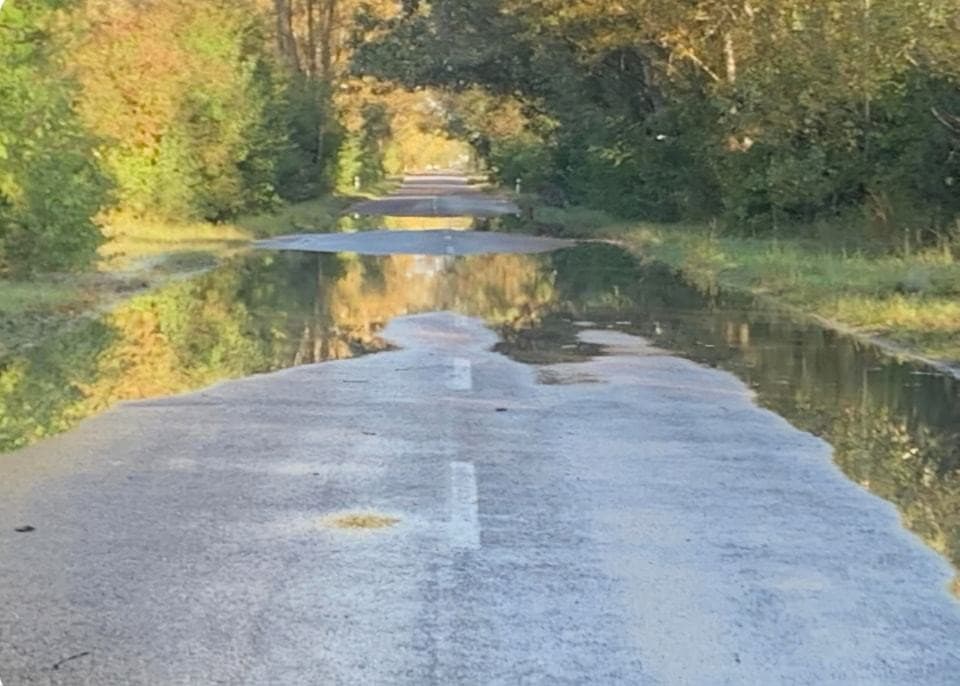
{"x":437,"y":196}
{"x":438,"y":514}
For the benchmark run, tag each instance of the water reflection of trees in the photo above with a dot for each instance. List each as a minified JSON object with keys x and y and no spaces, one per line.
{"x":257,"y":314}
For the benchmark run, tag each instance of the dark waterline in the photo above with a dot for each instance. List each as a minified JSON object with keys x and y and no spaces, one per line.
{"x":894,"y":425}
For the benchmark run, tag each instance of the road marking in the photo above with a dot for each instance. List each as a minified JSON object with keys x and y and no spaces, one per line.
{"x":464,"y":506}
{"x":461,"y":375}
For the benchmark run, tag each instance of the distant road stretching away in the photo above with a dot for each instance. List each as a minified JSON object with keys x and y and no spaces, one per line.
{"x":438,"y":195}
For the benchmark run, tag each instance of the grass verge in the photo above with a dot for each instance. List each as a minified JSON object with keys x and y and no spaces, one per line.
{"x":319,"y":214}
{"x":140,"y":254}
{"x":911,"y":302}
{"x":17,"y":297}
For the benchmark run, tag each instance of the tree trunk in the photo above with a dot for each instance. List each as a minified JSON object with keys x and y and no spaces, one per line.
{"x":311,"y":10}
{"x":327,"y":38}
{"x":286,"y":42}
{"x":329,"y":17}
{"x":730,"y":56}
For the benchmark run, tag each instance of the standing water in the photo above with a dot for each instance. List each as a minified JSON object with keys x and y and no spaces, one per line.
{"x":893,"y":424}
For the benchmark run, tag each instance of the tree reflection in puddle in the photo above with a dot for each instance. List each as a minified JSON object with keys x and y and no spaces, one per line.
{"x":256,"y":314}
{"x":371,"y":222}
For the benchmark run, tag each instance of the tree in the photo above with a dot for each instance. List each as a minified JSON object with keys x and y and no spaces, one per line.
{"x":50,"y":186}
{"x":187,"y":102}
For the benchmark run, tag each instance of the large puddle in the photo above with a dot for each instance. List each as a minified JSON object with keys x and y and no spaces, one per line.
{"x":894,"y":425}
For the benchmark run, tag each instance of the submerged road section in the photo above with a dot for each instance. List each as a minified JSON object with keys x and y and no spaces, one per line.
{"x":425,"y":242}
{"x":440,"y":514}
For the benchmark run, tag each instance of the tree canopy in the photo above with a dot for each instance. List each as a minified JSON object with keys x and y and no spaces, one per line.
{"x":50,"y":182}
{"x":764,"y":113}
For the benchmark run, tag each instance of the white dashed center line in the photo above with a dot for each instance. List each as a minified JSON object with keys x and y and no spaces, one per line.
{"x":464,"y":517}
{"x":460,"y":377}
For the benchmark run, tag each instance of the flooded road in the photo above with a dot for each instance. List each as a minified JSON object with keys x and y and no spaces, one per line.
{"x":581,"y":503}
{"x":893,"y":425}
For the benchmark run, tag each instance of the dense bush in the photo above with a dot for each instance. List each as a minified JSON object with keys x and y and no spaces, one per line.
{"x":194,"y":114}
{"x":183,"y":107}
{"x":361,"y":155}
{"x":186,"y":109}
{"x":50,"y":185}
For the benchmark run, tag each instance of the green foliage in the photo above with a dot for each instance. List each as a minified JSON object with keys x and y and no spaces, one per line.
{"x":768,"y":115}
{"x":192,"y":112}
{"x":520,"y":157}
{"x":361,"y":156}
{"x":304,"y":111}
{"x":50,"y":186}
{"x":349,"y":163}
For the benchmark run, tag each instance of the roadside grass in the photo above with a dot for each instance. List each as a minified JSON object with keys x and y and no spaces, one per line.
{"x":912,"y":301}
{"x":136,"y":243}
{"x":574,"y":221}
{"x":17,"y":297}
{"x":319,"y":214}
{"x":140,"y":254}
{"x":316,"y":215}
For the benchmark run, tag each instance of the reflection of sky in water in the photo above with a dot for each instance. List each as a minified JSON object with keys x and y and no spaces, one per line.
{"x":430,"y":265}
{"x":894,"y":426}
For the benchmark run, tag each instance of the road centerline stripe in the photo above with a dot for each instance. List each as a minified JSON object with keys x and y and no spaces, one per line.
{"x":464,"y":506}
{"x":460,"y":377}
